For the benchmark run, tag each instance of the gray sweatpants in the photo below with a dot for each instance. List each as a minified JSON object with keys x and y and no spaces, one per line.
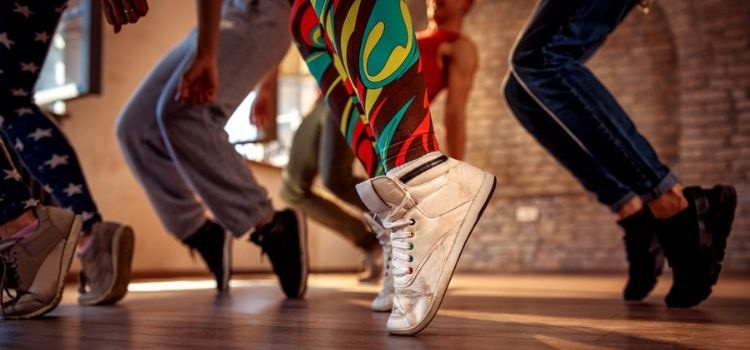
{"x":181,"y":153}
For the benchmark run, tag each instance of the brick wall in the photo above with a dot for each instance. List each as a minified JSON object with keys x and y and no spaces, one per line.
{"x":682,"y":72}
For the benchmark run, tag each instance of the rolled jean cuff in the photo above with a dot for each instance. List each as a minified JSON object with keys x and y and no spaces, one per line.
{"x":665,"y":185}
{"x":616,"y":206}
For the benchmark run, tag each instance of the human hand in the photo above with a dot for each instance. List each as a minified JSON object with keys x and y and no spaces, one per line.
{"x":200,"y":82}
{"x":121,"y":12}
{"x":260,"y":114}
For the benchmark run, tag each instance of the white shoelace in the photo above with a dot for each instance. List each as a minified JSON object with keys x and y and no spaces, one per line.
{"x":400,"y":235}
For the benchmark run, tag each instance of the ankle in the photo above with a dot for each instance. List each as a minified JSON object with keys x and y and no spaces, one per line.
{"x":630,"y":208}
{"x":14,"y":226}
{"x":669,"y":204}
{"x":84,"y":242}
{"x":264,"y":223}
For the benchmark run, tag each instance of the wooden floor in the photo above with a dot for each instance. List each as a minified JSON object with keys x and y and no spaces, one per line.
{"x":480,"y":312}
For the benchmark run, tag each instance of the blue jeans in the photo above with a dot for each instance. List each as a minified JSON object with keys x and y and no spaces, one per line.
{"x":568,"y":110}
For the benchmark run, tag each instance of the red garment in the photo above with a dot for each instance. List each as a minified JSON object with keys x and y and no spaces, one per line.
{"x":429,"y":42}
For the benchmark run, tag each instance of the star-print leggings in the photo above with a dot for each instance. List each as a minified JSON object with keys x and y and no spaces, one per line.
{"x":26,"y":30}
{"x":365,"y":57}
{"x":14,"y":195}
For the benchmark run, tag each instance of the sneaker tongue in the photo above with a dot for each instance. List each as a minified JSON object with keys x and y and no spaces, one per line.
{"x":381,"y":194}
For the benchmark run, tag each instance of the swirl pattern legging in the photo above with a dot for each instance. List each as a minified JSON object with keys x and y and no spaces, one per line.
{"x":364,"y":55}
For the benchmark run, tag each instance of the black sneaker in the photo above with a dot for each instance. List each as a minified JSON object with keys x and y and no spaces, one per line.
{"x":215,"y":247}
{"x":285,"y":242}
{"x":645,"y":256}
{"x":694,"y":242}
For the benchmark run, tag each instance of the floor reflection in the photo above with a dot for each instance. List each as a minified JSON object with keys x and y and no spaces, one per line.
{"x":480,"y":312}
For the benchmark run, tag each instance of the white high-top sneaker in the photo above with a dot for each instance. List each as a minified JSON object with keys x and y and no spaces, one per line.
{"x":430,"y":206}
{"x":383,"y":302}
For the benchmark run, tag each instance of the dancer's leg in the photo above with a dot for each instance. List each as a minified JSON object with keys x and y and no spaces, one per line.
{"x":36,"y":139}
{"x":346,"y":111}
{"x":377,"y":46}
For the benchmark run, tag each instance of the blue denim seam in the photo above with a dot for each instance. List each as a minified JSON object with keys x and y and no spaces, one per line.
{"x":617,"y":205}
{"x":605,"y":129}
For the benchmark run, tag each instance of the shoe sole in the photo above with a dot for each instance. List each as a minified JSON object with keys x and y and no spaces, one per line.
{"x":727,"y":199}
{"x":488,"y":188}
{"x":304,"y":256}
{"x":227,"y":263}
{"x":67,"y":259}
{"x":123,"y":242}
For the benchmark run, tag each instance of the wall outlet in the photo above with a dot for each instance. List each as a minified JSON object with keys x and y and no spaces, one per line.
{"x":527,"y":213}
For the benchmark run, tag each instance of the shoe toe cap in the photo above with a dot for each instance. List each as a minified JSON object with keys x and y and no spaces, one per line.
{"x":382,"y":303}
{"x":408,"y":314}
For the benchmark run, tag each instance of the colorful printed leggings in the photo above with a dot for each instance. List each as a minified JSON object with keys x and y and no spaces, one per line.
{"x":365,"y":57}
{"x":26,"y":31}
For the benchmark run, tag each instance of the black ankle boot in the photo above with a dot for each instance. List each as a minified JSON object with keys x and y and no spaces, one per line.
{"x":284,"y":240}
{"x":694,"y":242}
{"x":214,"y":246}
{"x":645,"y":256}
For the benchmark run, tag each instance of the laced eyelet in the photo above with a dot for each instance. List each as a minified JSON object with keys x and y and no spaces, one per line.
{"x":411,"y":234}
{"x":411,"y":246}
{"x":413,"y":222}
{"x":411,"y":270}
{"x":411,"y":258}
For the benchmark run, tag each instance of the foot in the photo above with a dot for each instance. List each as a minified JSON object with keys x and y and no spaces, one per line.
{"x":372,"y":266}
{"x":383,"y":302}
{"x":430,"y":208}
{"x":645,"y":256}
{"x":285,"y":242}
{"x":105,"y":273}
{"x":214,"y":245}
{"x":694,"y":242}
{"x":38,"y":264}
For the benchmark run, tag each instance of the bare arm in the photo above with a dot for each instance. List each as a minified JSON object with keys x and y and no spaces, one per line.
{"x":209,"y":16}
{"x":121,"y":12}
{"x":200,"y":82}
{"x":461,"y":69}
{"x":264,"y":112}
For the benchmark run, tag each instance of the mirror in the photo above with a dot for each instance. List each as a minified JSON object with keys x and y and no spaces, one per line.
{"x":73,"y":65}
{"x":296,"y":92}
